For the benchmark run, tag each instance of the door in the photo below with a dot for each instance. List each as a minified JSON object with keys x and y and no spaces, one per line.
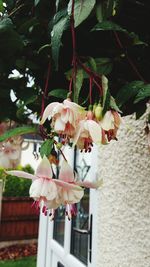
{"x":70,"y":243}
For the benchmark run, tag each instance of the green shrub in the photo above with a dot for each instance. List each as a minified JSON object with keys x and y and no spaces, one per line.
{"x":14,"y":186}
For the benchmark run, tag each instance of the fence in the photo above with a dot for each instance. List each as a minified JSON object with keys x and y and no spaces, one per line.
{"x":18,"y":219}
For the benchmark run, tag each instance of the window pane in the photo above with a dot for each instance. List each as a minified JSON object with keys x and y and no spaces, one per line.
{"x":59,"y":224}
{"x":79,"y":241}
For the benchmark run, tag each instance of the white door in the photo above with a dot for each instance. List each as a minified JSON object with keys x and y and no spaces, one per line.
{"x":64,"y":243}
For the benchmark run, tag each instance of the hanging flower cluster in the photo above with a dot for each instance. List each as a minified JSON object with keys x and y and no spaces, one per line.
{"x":82,"y":128}
{"x":50,"y":192}
{"x":10,"y":150}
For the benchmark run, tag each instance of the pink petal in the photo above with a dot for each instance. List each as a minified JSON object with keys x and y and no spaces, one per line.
{"x":66,"y":173}
{"x":22,"y":174}
{"x":48,"y":111}
{"x":44,"y":169}
{"x":67,"y":186}
{"x":65,"y":115}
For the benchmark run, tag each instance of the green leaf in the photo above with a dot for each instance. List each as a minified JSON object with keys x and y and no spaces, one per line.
{"x":5,"y":24}
{"x":59,"y":93}
{"x":108,"y":26}
{"x":18,"y":131}
{"x":128,"y":91}
{"x":82,"y":10}
{"x":56,"y":36}
{"x":1,"y":6}
{"x":144,"y":92}
{"x":36,"y":2}
{"x":78,"y":85}
{"x":104,"y":65}
{"x":113,"y":105}
{"x":46,"y":147}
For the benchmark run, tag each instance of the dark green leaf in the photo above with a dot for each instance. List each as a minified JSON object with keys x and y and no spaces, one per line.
{"x":46,"y":148}
{"x":59,"y":93}
{"x":78,"y":85}
{"x":18,"y":131}
{"x":128,"y":91}
{"x":108,"y":26}
{"x":82,"y":10}
{"x":104,"y":65}
{"x":143,"y":93}
{"x":36,"y":2}
{"x":5,"y":24}
{"x":56,"y":36}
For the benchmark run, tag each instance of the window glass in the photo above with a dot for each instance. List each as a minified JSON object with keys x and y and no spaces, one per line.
{"x":79,"y":236}
{"x":59,"y":225}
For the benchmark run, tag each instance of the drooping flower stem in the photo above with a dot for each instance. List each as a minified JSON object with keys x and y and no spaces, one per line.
{"x":55,"y":142}
{"x":90,"y":89}
{"x":95,"y":77}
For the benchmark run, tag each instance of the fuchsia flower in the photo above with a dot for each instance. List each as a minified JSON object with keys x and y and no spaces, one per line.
{"x":110,"y":123}
{"x":53,"y":192}
{"x":43,"y":187}
{"x":65,"y":116}
{"x":10,"y":152}
{"x":87,"y":132}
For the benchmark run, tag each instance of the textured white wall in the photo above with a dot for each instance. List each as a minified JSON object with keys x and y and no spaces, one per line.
{"x":123,"y":218}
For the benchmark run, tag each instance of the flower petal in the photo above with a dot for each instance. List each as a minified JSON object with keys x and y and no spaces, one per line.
{"x":94,"y":131}
{"x":22,"y":174}
{"x":78,"y":132}
{"x":48,"y":111}
{"x":59,"y":125}
{"x":44,"y":169}
{"x":68,"y":186}
{"x":66,"y":172}
{"x":107,"y":123}
{"x":48,"y":189}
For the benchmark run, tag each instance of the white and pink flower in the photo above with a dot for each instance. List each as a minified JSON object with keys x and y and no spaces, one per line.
{"x":65,"y":116}
{"x":87,"y":132}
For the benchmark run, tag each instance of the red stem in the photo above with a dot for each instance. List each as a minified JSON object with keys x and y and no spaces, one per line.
{"x":129,"y":59}
{"x":55,"y":142}
{"x":90,"y":91}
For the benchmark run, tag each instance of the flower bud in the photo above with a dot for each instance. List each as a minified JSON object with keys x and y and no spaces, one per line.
{"x":98,"y":112}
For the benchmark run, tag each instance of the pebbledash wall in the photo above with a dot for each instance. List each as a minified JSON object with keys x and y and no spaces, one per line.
{"x":123,"y":203}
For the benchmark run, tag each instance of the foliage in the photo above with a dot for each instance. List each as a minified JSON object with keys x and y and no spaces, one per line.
{"x":35,"y":34}
{"x":16,"y":187}
{"x":24,"y":262}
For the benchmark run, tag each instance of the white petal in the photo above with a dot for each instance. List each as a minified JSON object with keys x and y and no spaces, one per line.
{"x":48,"y":111}
{"x":59,"y":125}
{"x":48,"y":189}
{"x":35,"y":188}
{"x":95,"y":131}
{"x":66,"y":172}
{"x":107,"y":123}
{"x":44,"y":168}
